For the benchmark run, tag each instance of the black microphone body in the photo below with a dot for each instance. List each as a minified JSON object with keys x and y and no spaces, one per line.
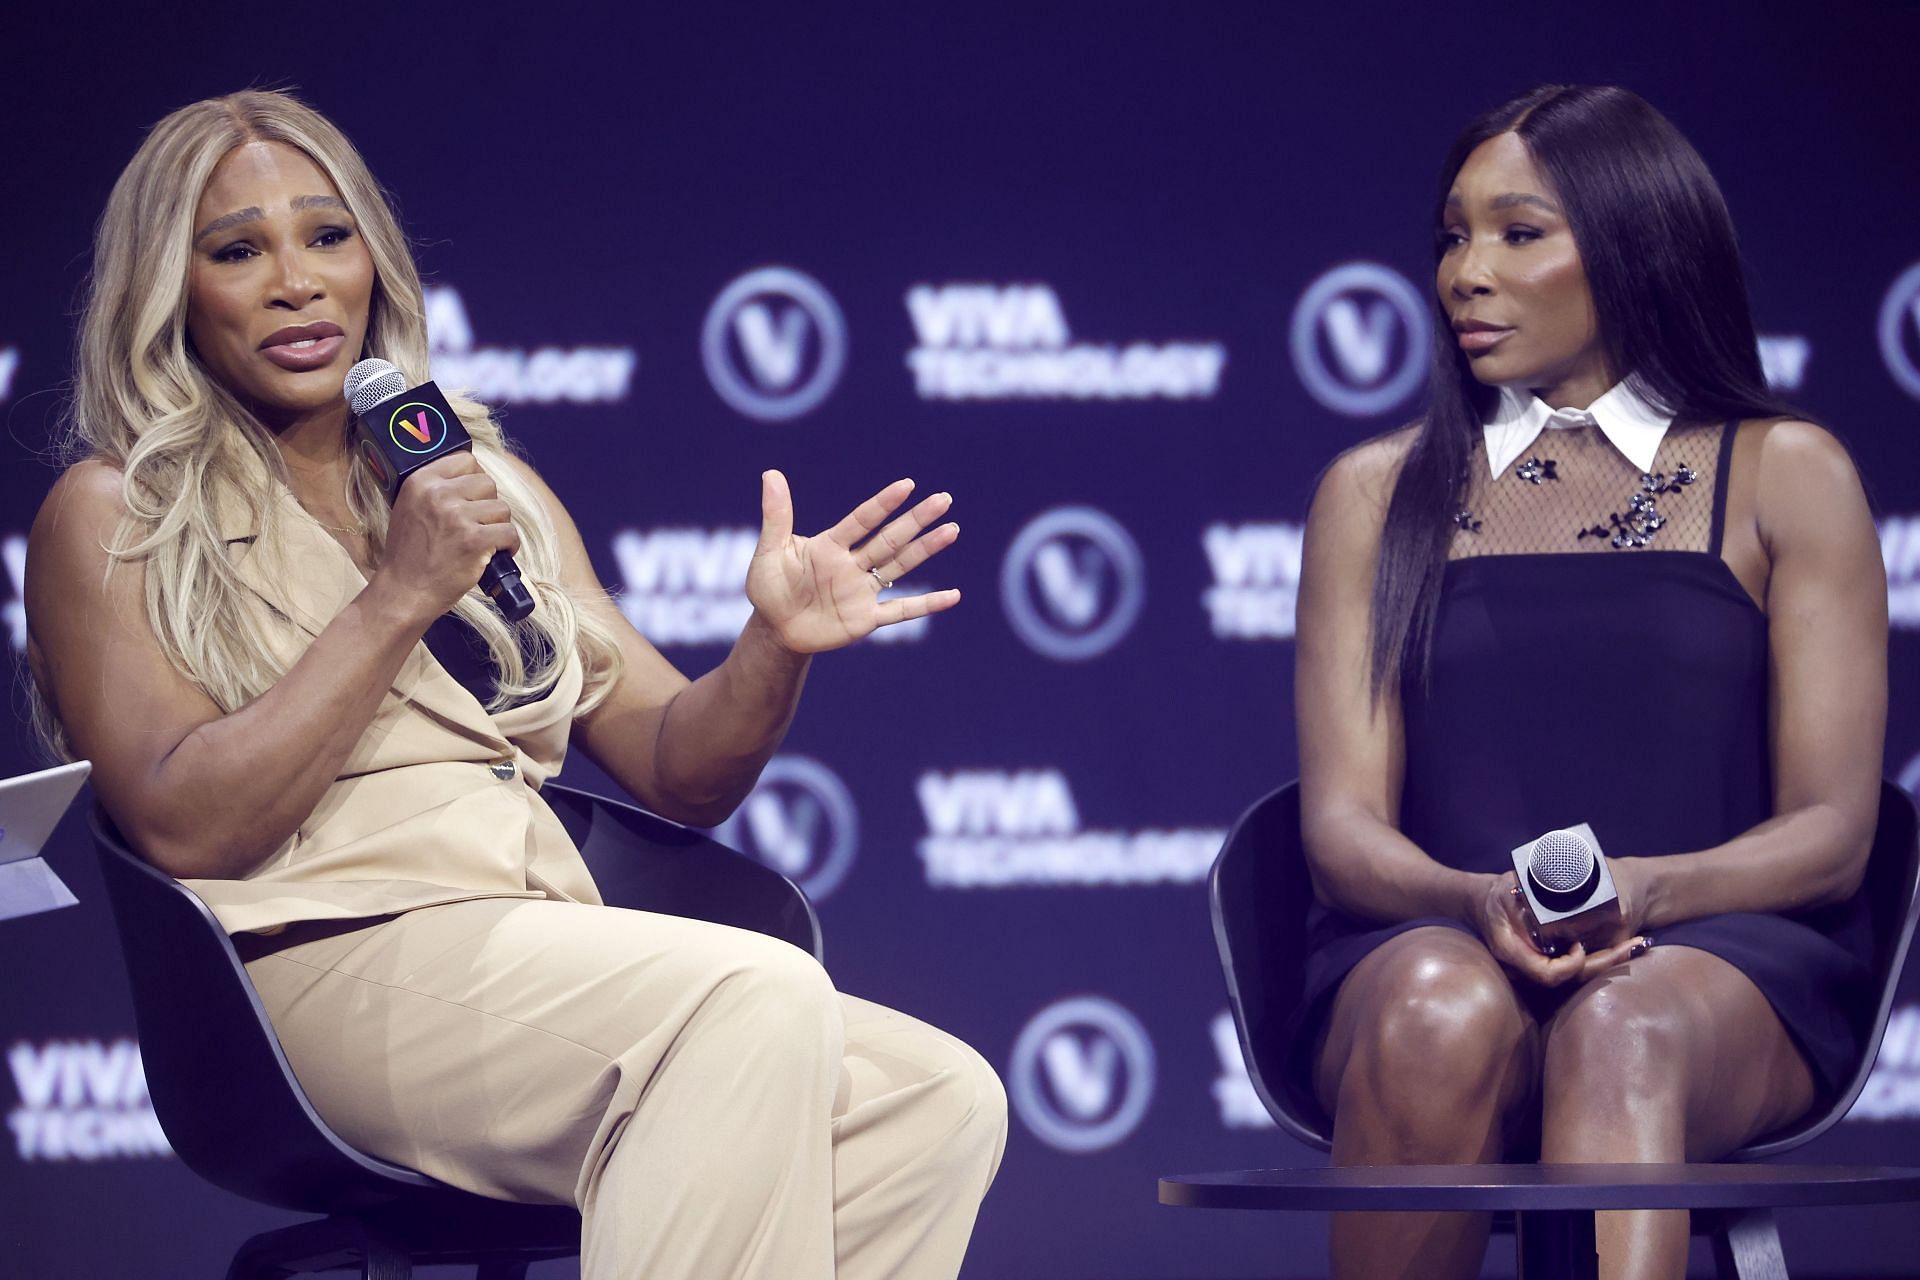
{"x":404,"y":431}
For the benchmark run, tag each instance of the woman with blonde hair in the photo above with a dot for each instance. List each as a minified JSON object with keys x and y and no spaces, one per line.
{"x":296,"y":700}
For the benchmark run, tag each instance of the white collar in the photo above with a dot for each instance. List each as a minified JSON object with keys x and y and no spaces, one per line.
{"x":1626,"y":418}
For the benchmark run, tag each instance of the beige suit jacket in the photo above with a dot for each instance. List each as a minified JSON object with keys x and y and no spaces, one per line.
{"x":420,"y":813}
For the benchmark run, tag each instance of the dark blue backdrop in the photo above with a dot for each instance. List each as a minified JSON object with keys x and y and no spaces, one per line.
{"x":1123,"y":282}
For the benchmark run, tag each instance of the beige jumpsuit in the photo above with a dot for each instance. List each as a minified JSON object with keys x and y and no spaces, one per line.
{"x":454,"y":997}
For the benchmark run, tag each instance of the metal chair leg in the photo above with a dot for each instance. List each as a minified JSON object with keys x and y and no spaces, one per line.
{"x":319,"y":1245}
{"x":1746,"y":1246}
{"x":1553,"y":1244}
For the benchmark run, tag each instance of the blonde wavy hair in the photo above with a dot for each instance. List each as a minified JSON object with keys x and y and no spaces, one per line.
{"x":185,"y":446}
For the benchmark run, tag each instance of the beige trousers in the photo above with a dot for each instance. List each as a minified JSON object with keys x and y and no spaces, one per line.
{"x":702,"y":1093}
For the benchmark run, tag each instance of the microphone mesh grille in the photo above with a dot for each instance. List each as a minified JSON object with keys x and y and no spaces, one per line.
{"x":1561,"y":861}
{"x":371,"y":381}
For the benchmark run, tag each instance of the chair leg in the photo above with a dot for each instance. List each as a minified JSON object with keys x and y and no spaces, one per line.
{"x":1555,"y":1244}
{"x":1746,"y":1246}
{"x":321,"y":1244}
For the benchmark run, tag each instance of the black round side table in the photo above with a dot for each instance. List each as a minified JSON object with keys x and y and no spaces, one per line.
{"x":1554,"y":1203}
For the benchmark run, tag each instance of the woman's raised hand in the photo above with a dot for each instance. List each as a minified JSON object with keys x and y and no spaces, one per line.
{"x":823,"y":592}
{"x":446,"y":524}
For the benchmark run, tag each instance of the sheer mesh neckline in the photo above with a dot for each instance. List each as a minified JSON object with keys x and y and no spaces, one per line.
{"x":1572,"y":492}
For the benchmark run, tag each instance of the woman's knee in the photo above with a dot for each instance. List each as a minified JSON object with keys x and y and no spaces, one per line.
{"x":975,"y":1098}
{"x":780,"y":1004}
{"x":1440,"y":1022}
{"x":1618,"y":1052}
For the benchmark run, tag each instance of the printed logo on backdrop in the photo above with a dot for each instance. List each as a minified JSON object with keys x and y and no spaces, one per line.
{"x":1783,"y":359}
{"x":1073,"y":583}
{"x":1081,"y":1076}
{"x":800,"y":820}
{"x":1240,"y":1107}
{"x":537,"y":375}
{"x":1256,"y":579}
{"x":688,"y":586}
{"x":774,"y":344}
{"x":13,"y":614}
{"x":1361,"y":338}
{"x":1011,"y":342}
{"x":1892,"y":1092}
{"x":685,"y":586}
{"x":1900,"y":550}
{"x":1900,"y":330}
{"x":82,"y":1100}
{"x":995,"y":829}
{"x":9,"y":365}
{"x":1910,"y":777}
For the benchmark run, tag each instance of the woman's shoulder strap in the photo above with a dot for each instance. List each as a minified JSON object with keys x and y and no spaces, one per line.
{"x":1721,"y":470}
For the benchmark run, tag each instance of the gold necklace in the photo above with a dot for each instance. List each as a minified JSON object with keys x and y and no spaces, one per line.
{"x":355,"y":532}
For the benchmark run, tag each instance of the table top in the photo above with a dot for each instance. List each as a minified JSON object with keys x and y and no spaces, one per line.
{"x":1538,"y":1187}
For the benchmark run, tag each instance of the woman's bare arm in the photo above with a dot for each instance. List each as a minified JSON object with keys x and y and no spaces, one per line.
{"x":692,"y":750}
{"x":1351,"y":751}
{"x":202,"y":793}
{"x":689,"y":750}
{"x":1826,"y":599}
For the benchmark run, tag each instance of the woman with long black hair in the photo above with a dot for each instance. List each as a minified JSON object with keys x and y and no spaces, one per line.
{"x":1608,"y":578}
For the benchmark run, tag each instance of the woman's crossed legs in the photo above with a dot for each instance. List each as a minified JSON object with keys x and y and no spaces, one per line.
{"x":1431,"y":1056}
{"x":702,"y":1093}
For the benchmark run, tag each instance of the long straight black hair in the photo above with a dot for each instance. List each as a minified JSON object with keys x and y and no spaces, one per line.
{"x":1670,"y":300}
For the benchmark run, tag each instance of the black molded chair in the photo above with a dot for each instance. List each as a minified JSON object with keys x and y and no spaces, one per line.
{"x":1260,"y":890}
{"x":235,"y":1114}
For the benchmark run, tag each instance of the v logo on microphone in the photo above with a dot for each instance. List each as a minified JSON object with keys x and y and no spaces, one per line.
{"x":418,"y":428}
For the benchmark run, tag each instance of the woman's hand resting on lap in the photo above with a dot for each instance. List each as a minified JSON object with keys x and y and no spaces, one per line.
{"x":1502,"y":922}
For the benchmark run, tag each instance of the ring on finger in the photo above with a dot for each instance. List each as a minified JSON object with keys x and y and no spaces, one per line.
{"x":884,"y":582}
{"x":1641,"y":945}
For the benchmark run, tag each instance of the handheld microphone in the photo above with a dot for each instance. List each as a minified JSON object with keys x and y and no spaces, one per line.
{"x":1566,"y":885}
{"x":402,"y":429}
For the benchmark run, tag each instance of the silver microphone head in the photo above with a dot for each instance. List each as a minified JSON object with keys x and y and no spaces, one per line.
{"x":1561,"y":861}
{"x":371,"y":381}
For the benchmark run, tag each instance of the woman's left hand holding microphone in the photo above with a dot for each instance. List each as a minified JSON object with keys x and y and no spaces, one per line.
{"x":823,"y":592}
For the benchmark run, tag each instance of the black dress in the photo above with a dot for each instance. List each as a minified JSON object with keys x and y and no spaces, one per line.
{"x":1595,"y":660}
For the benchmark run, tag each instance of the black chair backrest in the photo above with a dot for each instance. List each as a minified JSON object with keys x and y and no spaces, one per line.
{"x":221,"y":1085}
{"x":683,"y":873}
{"x":1892,"y":888}
{"x":1260,"y":889}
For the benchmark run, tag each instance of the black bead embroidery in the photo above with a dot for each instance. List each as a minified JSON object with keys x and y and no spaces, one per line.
{"x":1643,"y":519}
{"x":1465,"y":520}
{"x":1536,"y":470}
